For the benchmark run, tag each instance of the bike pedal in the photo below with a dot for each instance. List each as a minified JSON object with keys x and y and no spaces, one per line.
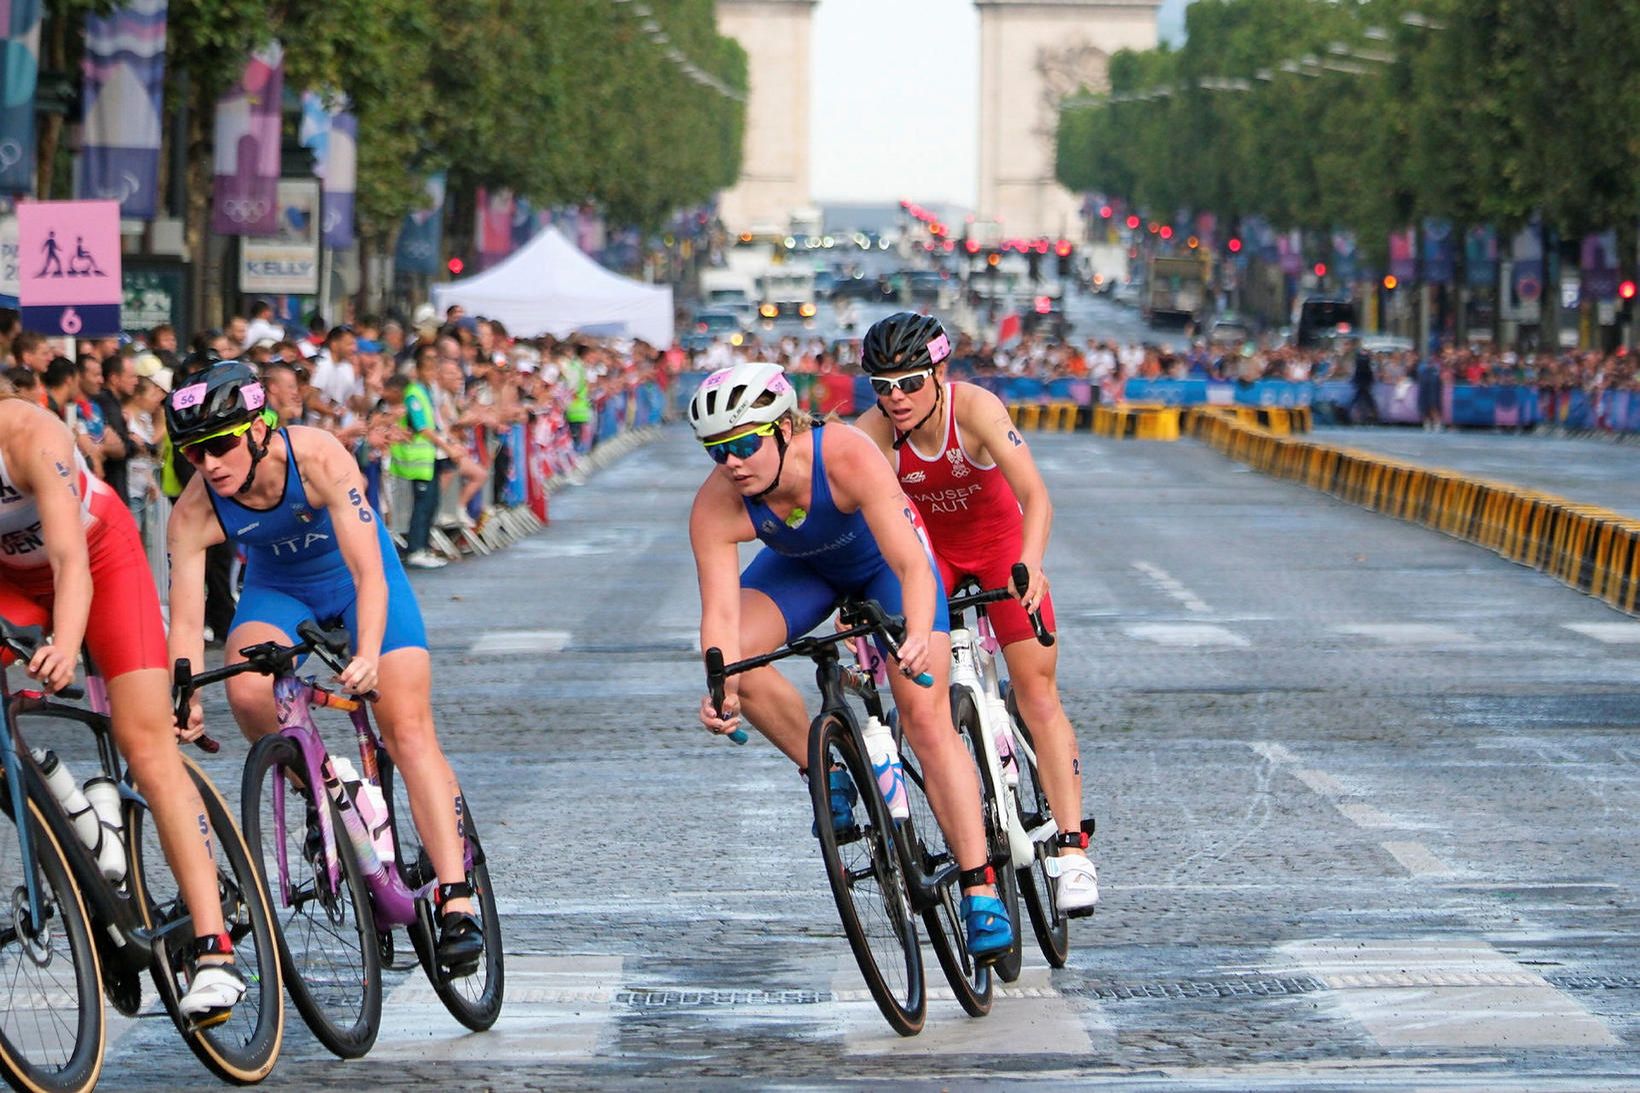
{"x":459,"y":971}
{"x":210,"y":1019}
{"x":1082,"y":912}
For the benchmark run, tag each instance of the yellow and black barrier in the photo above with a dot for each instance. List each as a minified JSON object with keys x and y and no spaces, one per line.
{"x":1592,"y":549}
{"x":1137,"y":421}
{"x":1061,"y":415}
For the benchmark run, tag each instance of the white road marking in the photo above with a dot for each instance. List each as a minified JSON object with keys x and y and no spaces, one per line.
{"x":1186,"y":633}
{"x":1612,"y":633}
{"x":1322,"y":783}
{"x":1364,"y":815}
{"x":1409,"y":633}
{"x":556,"y":1007}
{"x":1028,"y":1017}
{"x":1445,"y":994}
{"x":1275,"y":753}
{"x":519,"y":642}
{"x":1172,"y":587}
{"x":1416,"y":859}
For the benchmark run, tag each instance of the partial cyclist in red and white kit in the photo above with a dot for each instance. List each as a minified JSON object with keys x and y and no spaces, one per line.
{"x":71,"y":561}
{"x":959,"y":457}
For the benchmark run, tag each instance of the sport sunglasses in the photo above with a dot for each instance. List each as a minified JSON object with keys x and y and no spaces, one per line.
{"x":910,"y":384}
{"x":218,"y":444}
{"x":741,"y":445}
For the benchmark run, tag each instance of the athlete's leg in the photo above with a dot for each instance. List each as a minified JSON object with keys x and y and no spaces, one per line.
{"x":1032,"y":670}
{"x":145,"y":736}
{"x":953,"y":783}
{"x":264,"y":615}
{"x":404,"y":713}
{"x":768,"y":699}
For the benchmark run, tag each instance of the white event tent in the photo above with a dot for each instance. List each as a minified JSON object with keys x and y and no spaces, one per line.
{"x":551,"y":287}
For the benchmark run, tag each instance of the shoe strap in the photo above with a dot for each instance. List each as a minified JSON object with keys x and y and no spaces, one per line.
{"x":446,"y":892}
{"x":213,"y":945}
{"x":979,"y":875}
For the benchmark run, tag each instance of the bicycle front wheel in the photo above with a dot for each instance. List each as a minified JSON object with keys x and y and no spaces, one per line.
{"x":243,"y":1048}
{"x":51,"y":1014}
{"x":965,"y":715}
{"x":925,"y":845}
{"x":1048,"y":922}
{"x":474,"y":1000}
{"x":327,"y":935}
{"x":864,"y":870}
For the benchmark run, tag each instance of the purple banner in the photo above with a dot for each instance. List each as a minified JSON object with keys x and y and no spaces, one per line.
{"x":1481,"y":257}
{"x":333,"y":134}
{"x":1598,"y":263}
{"x":246,"y":191}
{"x":1290,"y":250}
{"x":19,"y":71}
{"x":1403,"y":256}
{"x":1527,"y":279}
{"x":123,"y":99}
{"x":422,"y":233}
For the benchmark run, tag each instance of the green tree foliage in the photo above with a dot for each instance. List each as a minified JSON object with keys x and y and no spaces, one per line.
{"x":1373,"y":115}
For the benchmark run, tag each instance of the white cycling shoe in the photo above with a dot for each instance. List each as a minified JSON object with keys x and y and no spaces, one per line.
{"x":1078,"y":882}
{"x":216,"y":989}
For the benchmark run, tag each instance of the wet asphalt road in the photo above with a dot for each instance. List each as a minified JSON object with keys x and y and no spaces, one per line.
{"x":1366,"y":797}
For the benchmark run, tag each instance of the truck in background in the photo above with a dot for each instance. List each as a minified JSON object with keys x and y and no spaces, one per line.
{"x":1175,"y":289}
{"x":1103,"y":266}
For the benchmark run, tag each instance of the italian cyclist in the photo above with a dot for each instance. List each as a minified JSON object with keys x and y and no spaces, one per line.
{"x":294,"y":499}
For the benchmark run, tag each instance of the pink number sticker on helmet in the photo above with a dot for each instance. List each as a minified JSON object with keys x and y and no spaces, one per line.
{"x":189,"y":396}
{"x":716,"y":379}
{"x":939,"y":349}
{"x":780,"y":384}
{"x":253,"y":396}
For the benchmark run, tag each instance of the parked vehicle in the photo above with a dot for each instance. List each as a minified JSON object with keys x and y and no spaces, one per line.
{"x":1175,"y":289}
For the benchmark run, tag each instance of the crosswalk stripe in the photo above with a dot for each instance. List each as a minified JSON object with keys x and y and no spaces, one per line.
{"x":1186,"y":633}
{"x":1612,"y":633}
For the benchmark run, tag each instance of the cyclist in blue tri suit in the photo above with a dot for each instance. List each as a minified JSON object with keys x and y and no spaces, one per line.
{"x":294,"y":499}
{"x":834,"y":524}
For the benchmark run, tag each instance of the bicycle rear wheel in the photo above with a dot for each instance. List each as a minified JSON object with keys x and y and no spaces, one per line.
{"x":864,"y":870}
{"x":925,"y":844}
{"x":327,"y":934}
{"x":474,"y":1000}
{"x":1048,"y":922}
{"x":243,"y":1048}
{"x":965,"y":716}
{"x":51,"y":1014}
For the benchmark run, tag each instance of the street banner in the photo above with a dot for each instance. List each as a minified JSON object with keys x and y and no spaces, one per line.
{"x":1527,"y":278}
{"x":1439,"y":259}
{"x":69,"y":272}
{"x":1008,"y":328}
{"x":286,"y":260}
{"x":19,"y":72}
{"x":1598,"y":265}
{"x":1481,"y":256}
{"x":1346,"y":253}
{"x":123,"y":101}
{"x":1403,"y":256}
{"x":494,"y":228}
{"x":516,"y":492}
{"x":526,"y":223}
{"x":421,"y":235}
{"x":1290,"y":252}
{"x":246,"y":188}
{"x":333,"y":135}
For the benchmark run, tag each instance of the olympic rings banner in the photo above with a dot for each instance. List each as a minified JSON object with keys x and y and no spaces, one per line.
{"x":124,"y":69}
{"x":247,"y":148}
{"x":19,"y":69}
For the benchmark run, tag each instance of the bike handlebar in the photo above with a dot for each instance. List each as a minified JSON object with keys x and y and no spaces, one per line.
{"x":1021,"y":576}
{"x":876,"y":623}
{"x":265,"y":658}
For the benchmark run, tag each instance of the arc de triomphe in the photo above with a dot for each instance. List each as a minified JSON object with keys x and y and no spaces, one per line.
{"x":1032,"y":54}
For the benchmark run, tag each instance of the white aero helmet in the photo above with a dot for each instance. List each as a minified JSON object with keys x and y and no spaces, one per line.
{"x":728,"y":398}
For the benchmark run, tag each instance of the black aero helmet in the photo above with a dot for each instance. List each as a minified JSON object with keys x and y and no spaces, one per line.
{"x":209,"y":401}
{"x":904,"y":342}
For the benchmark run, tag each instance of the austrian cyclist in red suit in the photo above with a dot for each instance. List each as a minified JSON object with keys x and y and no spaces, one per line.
{"x":959,"y":457}
{"x":71,"y":561}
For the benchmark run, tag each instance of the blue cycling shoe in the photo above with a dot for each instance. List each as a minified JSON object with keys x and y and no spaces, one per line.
{"x":843,"y":796}
{"x":986,"y":920}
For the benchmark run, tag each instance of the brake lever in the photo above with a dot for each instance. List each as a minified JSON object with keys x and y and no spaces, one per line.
{"x":1021,"y":575}
{"x":714,"y":683}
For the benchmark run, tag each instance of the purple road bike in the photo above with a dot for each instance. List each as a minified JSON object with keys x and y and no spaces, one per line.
{"x":337,"y":900}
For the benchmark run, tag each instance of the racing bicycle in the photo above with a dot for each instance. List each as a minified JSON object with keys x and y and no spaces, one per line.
{"x":1019,"y":825}
{"x":69,"y":933}
{"x":344,"y":876}
{"x":883,"y":872}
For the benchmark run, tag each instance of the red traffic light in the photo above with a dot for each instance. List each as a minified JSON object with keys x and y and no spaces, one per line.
{"x":455,"y":266}
{"x":1042,"y":246}
{"x":1165,"y":232}
{"x":1626,"y":290}
{"x":971,"y":246}
{"x":1321,"y":269}
{"x":1063,"y":248}
{"x":1132,"y":222}
{"x":1043,"y":304}
{"x":1105,"y":212}
{"x":1234,"y":245}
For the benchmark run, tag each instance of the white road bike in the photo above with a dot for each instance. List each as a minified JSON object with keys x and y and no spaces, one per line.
{"x":1019,"y":826}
